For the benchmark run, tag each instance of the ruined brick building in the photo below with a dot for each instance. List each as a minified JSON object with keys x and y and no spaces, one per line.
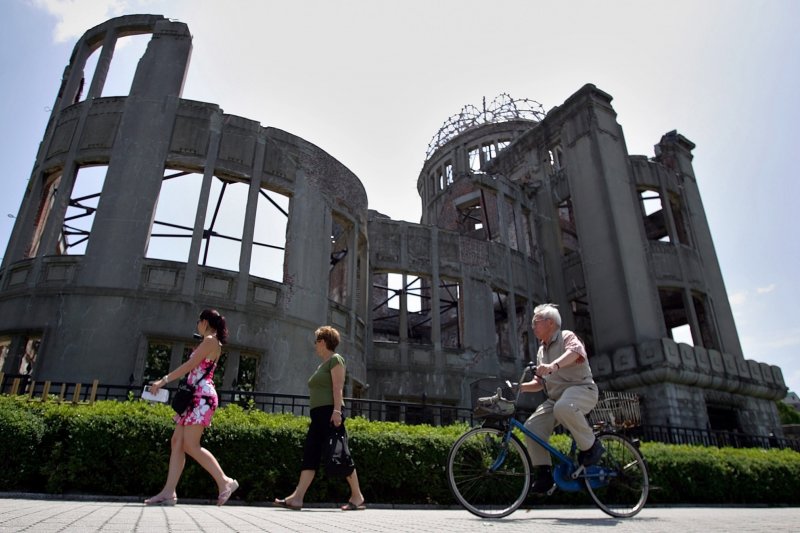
{"x":519,"y":207}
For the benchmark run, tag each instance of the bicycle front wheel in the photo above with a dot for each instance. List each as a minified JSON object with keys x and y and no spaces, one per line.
{"x":488,"y":472}
{"x":618,"y":483}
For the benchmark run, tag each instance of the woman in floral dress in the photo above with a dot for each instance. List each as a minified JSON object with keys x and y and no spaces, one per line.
{"x":189,"y":425}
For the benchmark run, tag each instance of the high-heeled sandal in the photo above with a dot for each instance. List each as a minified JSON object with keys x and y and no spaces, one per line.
{"x":164,"y":500}
{"x":226,"y":494}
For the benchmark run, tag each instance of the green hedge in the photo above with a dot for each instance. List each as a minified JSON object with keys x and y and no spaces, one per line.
{"x":122,"y":448}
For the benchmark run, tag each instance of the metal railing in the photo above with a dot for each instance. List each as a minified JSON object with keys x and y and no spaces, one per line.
{"x":296,"y":404}
{"x":376,"y":410}
{"x":718,"y":438}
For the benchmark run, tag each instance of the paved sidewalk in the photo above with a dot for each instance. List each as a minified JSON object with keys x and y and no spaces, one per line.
{"x":36,"y":514}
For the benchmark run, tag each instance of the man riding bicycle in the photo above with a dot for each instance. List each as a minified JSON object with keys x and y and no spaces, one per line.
{"x":563,"y":372}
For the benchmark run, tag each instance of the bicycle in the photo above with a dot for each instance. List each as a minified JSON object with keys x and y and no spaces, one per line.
{"x":489,"y":470}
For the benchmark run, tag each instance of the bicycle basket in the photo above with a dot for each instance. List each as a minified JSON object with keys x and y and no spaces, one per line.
{"x":494,"y":406}
{"x":616,"y":409}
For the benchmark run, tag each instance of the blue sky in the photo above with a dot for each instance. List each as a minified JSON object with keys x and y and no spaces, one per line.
{"x":371,"y":82}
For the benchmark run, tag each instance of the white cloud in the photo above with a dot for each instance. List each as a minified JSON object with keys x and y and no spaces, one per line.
{"x":77,"y":16}
{"x":737,"y":298}
{"x":764,"y":290}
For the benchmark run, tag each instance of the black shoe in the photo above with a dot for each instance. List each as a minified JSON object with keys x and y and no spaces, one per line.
{"x":592,"y":455}
{"x":543,"y":481}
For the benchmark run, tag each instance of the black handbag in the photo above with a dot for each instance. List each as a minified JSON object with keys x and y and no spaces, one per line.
{"x":183,"y":396}
{"x":339,"y":463}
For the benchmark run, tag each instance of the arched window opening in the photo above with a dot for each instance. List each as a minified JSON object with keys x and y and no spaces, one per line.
{"x":269,"y":238}
{"x":77,"y":226}
{"x":127,"y":52}
{"x":173,"y":224}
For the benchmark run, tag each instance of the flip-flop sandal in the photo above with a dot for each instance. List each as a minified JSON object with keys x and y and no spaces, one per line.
{"x":225,"y":495}
{"x":286,"y":505}
{"x":350,"y":506}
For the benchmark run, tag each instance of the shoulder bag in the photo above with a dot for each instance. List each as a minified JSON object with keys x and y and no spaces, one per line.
{"x":182,"y":398}
{"x":339,"y":462}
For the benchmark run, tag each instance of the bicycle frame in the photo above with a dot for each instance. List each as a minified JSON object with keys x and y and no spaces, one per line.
{"x":567,"y":474}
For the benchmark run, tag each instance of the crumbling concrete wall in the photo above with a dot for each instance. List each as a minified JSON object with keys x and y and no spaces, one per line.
{"x":516,"y":212}
{"x":98,"y":313}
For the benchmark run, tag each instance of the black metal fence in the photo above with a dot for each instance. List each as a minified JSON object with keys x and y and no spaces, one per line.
{"x":734,"y":439}
{"x":379,"y":410}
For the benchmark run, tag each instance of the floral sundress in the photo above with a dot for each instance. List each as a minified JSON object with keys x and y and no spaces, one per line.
{"x":205,"y":399}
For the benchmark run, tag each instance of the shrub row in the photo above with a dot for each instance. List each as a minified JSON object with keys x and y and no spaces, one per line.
{"x":122,"y":448}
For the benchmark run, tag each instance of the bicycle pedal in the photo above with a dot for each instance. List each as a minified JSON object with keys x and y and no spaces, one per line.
{"x":551,"y":490}
{"x":578,"y":472}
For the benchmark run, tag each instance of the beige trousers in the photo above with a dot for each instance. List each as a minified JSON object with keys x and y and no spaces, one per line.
{"x":570,"y":411}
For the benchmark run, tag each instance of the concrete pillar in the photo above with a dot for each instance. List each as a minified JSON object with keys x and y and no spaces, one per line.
{"x":135,"y":171}
{"x":192,"y":263}
{"x":608,"y":223}
{"x":436,"y":309}
{"x":103,"y":65}
{"x":246,"y":250}
{"x":675,"y":151}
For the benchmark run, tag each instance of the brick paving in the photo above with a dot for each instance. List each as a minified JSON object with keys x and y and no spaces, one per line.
{"x":44,"y":514}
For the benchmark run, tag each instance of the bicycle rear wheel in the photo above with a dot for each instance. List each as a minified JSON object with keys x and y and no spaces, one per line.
{"x":488,"y":474}
{"x":618,"y":483}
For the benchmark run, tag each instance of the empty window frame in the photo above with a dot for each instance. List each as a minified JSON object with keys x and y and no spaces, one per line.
{"x":157,"y":364}
{"x":341,"y":235}
{"x":224,"y":224}
{"x":174,"y":219}
{"x":450,"y":313}
{"x":247,"y":374}
{"x":488,"y":152}
{"x":472,"y":216}
{"x":269,"y":235}
{"x":511,"y":224}
{"x":556,"y":158}
{"x":362,"y":278}
{"x":390,"y":288}
{"x":29,"y":356}
{"x":722,"y":417}
{"x":402,"y":294}
{"x":705,"y":321}
{"x":528,"y":236}
{"x":128,"y":51}
{"x":502,"y":326}
{"x":5,"y":347}
{"x":676,"y":319}
{"x":507,"y":334}
{"x":501,"y":144}
{"x":418,"y":296}
{"x":583,"y":322}
{"x":448,"y":173}
{"x":385,"y":308}
{"x":679,"y":219}
{"x":443,"y":176}
{"x":89,"y":69}
{"x":474,"y":159}
{"x":566,"y":222}
{"x":656,"y":220}
{"x":524,"y":331}
{"x":43,"y":214}
{"x":83,"y":201}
